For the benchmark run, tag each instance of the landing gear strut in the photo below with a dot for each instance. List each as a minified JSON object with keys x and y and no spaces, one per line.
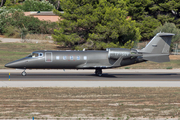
{"x":24,"y":73}
{"x":98,"y":72}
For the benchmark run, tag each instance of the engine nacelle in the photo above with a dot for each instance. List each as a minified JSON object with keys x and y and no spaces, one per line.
{"x":115,"y":53}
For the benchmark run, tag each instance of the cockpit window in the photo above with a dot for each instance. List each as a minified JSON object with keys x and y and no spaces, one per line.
{"x":30,"y":55}
{"x":35,"y":55}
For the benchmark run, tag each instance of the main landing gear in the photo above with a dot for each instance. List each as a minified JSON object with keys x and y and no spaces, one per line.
{"x":24,"y":73}
{"x":98,"y":72}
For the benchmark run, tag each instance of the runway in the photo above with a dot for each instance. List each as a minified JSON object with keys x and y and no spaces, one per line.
{"x":86,"y":78}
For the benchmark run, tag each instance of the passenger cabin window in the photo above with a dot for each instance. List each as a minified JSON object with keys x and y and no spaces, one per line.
{"x":57,"y":57}
{"x":71,"y":57}
{"x":64,"y":57}
{"x":78,"y":57}
{"x":85,"y":57}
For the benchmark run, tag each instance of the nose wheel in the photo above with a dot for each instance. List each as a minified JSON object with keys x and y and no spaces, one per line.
{"x":24,"y":73}
{"x":98,"y":72}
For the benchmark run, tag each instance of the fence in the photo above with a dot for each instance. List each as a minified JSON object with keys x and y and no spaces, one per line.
{"x":36,"y":38}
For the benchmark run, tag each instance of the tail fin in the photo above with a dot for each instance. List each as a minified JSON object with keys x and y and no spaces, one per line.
{"x":157,"y":49}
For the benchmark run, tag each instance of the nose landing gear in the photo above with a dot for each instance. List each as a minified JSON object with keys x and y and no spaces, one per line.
{"x":24,"y":73}
{"x":98,"y":72}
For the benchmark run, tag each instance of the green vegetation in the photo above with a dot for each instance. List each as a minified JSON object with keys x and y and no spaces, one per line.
{"x":6,"y":17}
{"x":107,"y":23}
{"x":127,"y":68}
{"x":169,"y":68}
{"x":169,"y":28}
{"x":29,"y":5}
{"x":14,"y":22}
{"x":33,"y":5}
{"x":98,"y":103}
{"x":153,"y":13}
{"x":95,"y":25}
{"x":12,"y":31}
{"x":147,"y":25}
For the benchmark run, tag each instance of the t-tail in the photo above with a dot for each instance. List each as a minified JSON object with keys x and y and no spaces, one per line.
{"x":157,"y":50}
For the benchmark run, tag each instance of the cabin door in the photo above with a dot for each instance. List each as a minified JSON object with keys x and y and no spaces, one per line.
{"x":48,"y":57}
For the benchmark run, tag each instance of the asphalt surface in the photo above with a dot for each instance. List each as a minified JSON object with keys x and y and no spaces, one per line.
{"x":86,"y":78}
{"x":89,"y":76}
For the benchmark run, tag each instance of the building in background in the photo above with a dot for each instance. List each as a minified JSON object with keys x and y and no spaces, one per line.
{"x":47,"y":16}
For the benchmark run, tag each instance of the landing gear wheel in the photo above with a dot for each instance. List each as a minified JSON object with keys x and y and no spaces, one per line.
{"x":23,"y":73}
{"x":98,"y":72}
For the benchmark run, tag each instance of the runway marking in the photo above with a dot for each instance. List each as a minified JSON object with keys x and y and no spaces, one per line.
{"x":9,"y":76}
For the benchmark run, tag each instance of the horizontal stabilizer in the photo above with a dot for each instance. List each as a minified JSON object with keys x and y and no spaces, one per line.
{"x":136,"y":55}
{"x":157,"y":58}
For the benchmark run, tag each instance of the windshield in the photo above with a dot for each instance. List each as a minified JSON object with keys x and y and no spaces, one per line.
{"x":35,"y":54}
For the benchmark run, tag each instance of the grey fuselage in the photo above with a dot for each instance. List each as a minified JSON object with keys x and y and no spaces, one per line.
{"x":91,"y":59}
{"x":157,"y":50}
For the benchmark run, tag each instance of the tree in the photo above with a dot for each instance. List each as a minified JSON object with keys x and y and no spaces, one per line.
{"x":56,"y":3}
{"x":2,"y":1}
{"x":95,"y":24}
{"x":169,"y":28}
{"x":147,"y":26}
{"x":9,"y":3}
{"x":138,"y":9}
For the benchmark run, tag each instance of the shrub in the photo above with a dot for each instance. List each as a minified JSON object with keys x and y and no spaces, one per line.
{"x":6,"y":17}
{"x":33,"y":25}
{"x":33,"y":5}
{"x":15,"y":17}
{"x":12,"y":31}
{"x":169,"y":68}
{"x":127,"y":67}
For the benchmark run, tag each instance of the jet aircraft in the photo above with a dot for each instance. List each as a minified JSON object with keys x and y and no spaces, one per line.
{"x":156,"y":50}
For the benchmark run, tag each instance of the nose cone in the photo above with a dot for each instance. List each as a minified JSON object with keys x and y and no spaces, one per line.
{"x":16,"y":64}
{"x":8,"y":65}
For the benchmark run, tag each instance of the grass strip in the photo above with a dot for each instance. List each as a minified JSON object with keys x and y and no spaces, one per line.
{"x":101,"y":102}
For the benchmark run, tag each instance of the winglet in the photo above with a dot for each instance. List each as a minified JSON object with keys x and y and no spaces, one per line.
{"x":118,"y":62}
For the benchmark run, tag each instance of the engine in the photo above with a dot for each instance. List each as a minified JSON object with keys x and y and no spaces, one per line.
{"x":115,"y":53}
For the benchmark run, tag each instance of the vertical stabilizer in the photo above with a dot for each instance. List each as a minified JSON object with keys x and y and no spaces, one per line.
{"x":157,"y":49}
{"x":160,"y":44}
